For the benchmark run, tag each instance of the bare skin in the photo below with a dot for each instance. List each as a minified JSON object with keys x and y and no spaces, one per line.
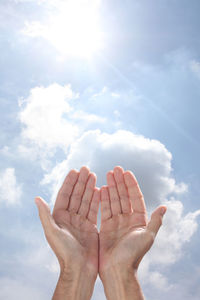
{"x":116,"y":252}
{"x":125,"y":234}
{"x":71,"y":231}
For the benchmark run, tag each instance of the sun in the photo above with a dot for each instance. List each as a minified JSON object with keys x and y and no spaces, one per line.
{"x":73,"y":29}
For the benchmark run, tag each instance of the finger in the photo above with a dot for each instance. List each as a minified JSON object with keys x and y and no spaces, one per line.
{"x":156,"y":219}
{"x":94,"y":207}
{"x":87,"y":196}
{"x":105,"y":204}
{"x":134,"y":193}
{"x":62,"y":200}
{"x":79,"y":188}
{"x":46,"y":218}
{"x":122,"y":190}
{"x":113,"y":193}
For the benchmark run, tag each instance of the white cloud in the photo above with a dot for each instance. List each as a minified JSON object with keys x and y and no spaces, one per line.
{"x":115,"y":95}
{"x":10,"y":191}
{"x":43,"y":116}
{"x":103,"y":91}
{"x":87,"y":118}
{"x":29,"y":254}
{"x":151,"y":162}
{"x":158,"y":280}
{"x":33,"y":29}
{"x":148,"y":159}
{"x":5,"y":150}
{"x":168,"y":247}
{"x":28,"y":1}
{"x":116,"y":113}
{"x":49,"y":121}
{"x":177,"y":230}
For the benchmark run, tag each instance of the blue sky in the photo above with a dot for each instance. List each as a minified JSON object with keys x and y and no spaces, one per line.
{"x":126,"y":94}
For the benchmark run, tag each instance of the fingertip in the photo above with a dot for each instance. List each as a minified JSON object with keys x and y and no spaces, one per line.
{"x":126,"y":174}
{"x":129,"y":177}
{"x":118,"y":169}
{"x":37,"y":200}
{"x":109,"y":173}
{"x":103,"y":188}
{"x":163,"y":210}
{"x":129,"y":173}
{"x":42,"y":204}
{"x":85,"y":168}
{"x":73,"y":172}
{"x":97,"y":191}
{"x":93,"y":175}
{"x":118,"y":174}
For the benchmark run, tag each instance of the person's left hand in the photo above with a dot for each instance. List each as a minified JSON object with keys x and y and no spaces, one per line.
{"x":125,"y":234}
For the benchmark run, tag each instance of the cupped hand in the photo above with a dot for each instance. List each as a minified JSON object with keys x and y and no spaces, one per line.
{"x":125,"y":233}
{"x":71,"y":230}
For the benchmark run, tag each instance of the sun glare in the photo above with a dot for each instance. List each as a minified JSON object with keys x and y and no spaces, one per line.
{"x":75,"y":29}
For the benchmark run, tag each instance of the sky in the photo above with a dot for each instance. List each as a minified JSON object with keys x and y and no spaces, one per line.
{"x":99,"y":83}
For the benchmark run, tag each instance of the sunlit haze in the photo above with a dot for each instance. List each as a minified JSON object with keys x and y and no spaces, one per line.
{"x":73,"y":28}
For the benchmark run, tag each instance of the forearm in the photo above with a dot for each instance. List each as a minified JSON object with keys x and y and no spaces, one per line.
{"x":121,"y":285}
{"x":74,"y":286}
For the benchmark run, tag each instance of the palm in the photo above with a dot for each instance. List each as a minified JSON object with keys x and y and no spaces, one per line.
{"x":123,"y":235}
{"x":125,"y":245}
{"x":78,"y":236}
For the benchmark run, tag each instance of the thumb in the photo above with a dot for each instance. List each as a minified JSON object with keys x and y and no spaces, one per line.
{"x":156,"y":219}
{"x":44,"y":214}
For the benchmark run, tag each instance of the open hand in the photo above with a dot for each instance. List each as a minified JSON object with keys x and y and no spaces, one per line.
{"x":71,"y":230}
{"x":125,"y":233}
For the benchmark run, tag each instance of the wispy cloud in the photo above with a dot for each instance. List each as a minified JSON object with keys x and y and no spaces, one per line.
{"x":10,"y":190}
{"x":195,"y":67}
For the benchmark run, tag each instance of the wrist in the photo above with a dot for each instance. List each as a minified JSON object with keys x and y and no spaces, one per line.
{"x":79,"y":264}
{"x":77,"y":284}
{"x":121,"y":283}
{"x":76,"y":271}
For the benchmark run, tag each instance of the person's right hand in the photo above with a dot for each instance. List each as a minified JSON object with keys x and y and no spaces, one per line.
{"x":71,"y":230}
